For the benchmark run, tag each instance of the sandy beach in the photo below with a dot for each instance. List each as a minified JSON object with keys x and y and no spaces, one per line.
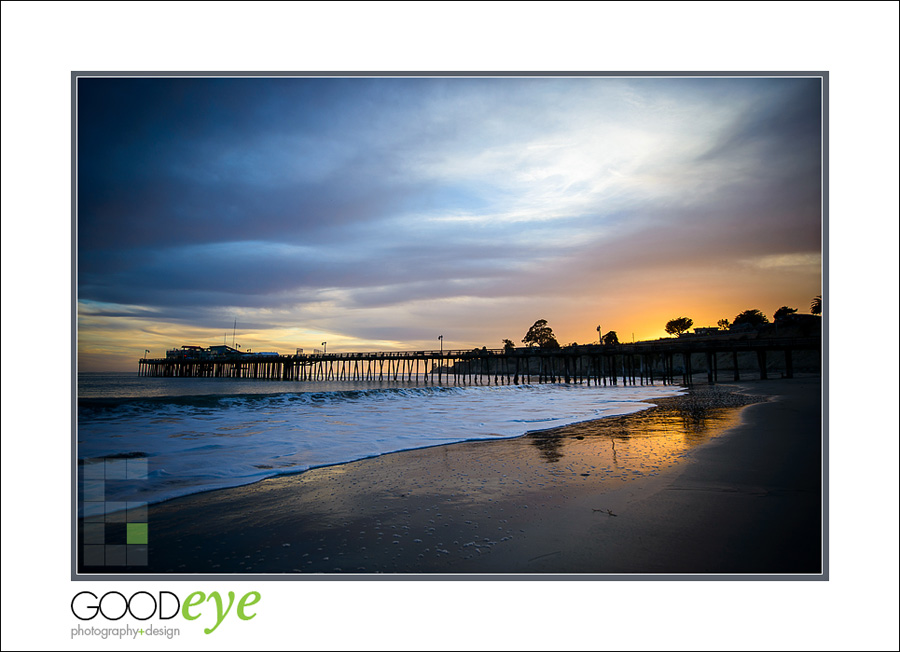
{"x":724,"y":480}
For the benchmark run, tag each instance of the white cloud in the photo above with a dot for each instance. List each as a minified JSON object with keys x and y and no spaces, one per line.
{"x":786,"y":260}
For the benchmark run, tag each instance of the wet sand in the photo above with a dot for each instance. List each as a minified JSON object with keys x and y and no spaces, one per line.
{"x":697,"y":485}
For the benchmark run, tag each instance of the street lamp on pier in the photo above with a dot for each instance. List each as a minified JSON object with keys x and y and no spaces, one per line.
{"x":324,"y":348}
{"x":441,"y":338}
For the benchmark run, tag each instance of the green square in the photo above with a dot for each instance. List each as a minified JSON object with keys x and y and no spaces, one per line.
{"x":136,"y":533}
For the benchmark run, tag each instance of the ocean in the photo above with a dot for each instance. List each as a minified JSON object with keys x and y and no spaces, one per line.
{"x":198,"y":434}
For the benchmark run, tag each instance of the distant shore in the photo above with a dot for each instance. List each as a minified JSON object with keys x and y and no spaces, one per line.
{"x":734,"y":490}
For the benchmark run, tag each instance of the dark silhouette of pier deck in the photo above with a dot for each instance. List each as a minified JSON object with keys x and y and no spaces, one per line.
{"x":668,"y":361}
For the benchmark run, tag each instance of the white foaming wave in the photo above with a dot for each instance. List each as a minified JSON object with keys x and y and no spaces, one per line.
{"x":240,"y":440}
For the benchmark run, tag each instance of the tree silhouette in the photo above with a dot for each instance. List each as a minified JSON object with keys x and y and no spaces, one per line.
{"x":541,"y":335}
{"x":508,"y":345}
{"x":752,"y":317}
{"x":724,"y":324}
{"x":815,"y":307}
{"x":783,"y":312}
{"x":610,"y":338}
{"x":679,"y":325}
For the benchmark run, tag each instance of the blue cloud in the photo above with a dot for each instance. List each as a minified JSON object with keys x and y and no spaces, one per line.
{"x":263,"y":193}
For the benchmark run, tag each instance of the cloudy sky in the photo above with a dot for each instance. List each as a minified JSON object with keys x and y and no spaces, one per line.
{"x":377,"y":214}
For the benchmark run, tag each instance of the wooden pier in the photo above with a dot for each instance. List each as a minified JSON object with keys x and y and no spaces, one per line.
{"x":674,"y":361}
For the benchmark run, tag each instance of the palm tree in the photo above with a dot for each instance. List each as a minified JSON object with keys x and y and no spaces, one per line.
{"x":816,"y":306}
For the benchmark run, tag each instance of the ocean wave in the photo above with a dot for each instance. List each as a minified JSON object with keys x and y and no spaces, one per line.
{"x":201,"y":442}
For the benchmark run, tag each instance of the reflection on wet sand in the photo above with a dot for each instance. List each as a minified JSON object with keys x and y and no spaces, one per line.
{"x":638,"y":444}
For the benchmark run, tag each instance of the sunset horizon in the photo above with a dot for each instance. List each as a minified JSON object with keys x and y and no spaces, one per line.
{"x":175,"y":336}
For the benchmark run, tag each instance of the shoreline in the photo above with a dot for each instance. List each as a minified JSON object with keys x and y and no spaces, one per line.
{"x":702,"y":483}
{"x":192,"y":444}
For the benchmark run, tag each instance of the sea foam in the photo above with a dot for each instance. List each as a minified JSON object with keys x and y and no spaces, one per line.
{"x":198,"y":443}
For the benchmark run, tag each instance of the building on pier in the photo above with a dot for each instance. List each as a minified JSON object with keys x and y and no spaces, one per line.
{"x":191,"y":352}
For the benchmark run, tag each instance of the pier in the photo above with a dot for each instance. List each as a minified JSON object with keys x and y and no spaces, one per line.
{"x":674,"y":361}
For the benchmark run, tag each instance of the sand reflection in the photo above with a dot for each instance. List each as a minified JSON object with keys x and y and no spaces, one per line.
{"x":640,"y":444}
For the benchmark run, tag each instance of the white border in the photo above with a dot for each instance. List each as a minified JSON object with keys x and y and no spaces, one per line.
{"x":856,"y":43}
